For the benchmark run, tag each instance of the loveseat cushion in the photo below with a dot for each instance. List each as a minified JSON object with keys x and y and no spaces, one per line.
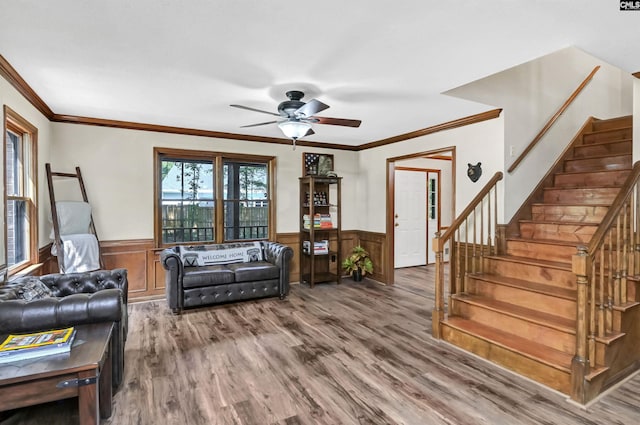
{"x":259,"y":270}
{"x":207,"y":276}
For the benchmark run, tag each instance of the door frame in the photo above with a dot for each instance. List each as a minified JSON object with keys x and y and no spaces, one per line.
{"x":433,"y":154}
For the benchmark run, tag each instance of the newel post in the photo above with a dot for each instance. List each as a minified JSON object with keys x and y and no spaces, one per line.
{"x":580,"y":362}
{"x":437,"y":315}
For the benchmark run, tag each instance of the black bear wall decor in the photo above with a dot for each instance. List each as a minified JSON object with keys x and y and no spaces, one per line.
{"x":474,"y":172}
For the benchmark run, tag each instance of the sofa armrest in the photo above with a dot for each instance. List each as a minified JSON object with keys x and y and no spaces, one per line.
{"x":280,"y":255}
{"x":51,"y":312}
{"x":172,"y":263}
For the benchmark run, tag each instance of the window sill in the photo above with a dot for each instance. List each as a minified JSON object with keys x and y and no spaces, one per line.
{"x":29,"y":270}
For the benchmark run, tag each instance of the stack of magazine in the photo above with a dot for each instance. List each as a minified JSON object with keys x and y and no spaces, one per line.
{"x":26,"y":346}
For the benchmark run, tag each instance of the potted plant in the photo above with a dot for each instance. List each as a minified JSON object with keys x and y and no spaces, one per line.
{"x":358,"y":263}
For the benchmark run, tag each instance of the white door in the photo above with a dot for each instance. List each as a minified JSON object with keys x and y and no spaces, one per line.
{"x":433,"y":211}
{"x":410,"y":243}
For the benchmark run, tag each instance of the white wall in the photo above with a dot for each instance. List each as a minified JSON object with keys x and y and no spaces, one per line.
{"x":474,"y":143}
{"x":531,"y":93}
{"x":117,"y":167}
{"x":117,"y":164}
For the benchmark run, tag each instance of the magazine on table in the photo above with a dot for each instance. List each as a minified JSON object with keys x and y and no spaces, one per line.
{"x":36,"y":344}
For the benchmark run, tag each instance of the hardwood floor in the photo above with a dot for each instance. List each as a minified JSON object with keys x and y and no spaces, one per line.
{"x":357,"y":353}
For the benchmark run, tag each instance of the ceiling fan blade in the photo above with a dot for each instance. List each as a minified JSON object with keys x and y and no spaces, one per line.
{"x":256,"y":125}
{"x":337,"y":121}
{"x":310,"y":108}
{"x":255,"y":110}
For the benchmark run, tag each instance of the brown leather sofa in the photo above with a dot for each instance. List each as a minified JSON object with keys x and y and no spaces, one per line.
{"x":192,"y":286}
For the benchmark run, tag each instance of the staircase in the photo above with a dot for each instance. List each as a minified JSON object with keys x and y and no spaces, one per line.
{"x":518,"y":308}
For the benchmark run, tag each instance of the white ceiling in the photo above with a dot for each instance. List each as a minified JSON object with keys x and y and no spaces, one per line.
{"x":181,"y":63}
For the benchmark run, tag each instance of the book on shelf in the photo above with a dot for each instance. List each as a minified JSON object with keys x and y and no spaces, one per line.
{"x":320,"y":221}
{"x":319,"y":248}
{"x":36,"y":344}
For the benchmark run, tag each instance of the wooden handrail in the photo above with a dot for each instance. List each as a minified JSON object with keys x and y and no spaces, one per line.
{"x":553,"y":119}
{"x":614,"y":210}
{"x":472,"y":205}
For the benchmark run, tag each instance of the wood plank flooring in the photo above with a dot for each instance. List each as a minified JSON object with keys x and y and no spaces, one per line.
{"x":355,"y":353}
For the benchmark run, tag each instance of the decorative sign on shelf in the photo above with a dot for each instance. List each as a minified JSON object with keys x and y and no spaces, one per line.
{"x":316,"y":164}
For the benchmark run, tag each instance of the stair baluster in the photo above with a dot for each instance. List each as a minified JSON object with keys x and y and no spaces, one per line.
{"x":609,"y":253}
{"x":457,"y":235}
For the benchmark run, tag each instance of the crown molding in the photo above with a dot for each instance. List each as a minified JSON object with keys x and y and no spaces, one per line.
{"x":101,"y":122}
{"x":460,"y":122}
{"x":12,"y":76}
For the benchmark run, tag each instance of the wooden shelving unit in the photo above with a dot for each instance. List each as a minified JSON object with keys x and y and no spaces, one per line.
{"x":320,"y":224}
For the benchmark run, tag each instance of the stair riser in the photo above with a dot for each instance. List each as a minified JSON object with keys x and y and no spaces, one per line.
{"x":612,"y":123}
{"x":607,"y":135}
{"x":554,"y":338}
{"x":539,"y":372}
{"x":613,"y":162}
{"x":624,"y":350}
{"x":533,"y":273}
{"x":601,"y":178}
{"x":600,"y":149}
{"x":548,"y":252}
{"x":587,"y":196}
{"x":523,"y":298}
{"x":577,"y":213}
{"x":560,"y":232}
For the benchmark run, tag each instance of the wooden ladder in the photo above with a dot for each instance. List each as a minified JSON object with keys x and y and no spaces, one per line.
{"x":54,"y":212}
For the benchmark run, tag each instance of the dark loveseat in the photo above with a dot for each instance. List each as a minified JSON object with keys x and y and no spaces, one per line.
{"x":224,"y":276}
{"x":74,"y":299}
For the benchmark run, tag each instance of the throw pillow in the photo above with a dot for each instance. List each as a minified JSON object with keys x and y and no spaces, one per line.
{"x":33,"y":289}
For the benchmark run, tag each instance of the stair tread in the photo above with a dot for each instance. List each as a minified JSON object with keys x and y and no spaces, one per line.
{"x":609,"y":130}
{"x":589,"y":172}
{"x":560,"y":222}
{"x":607,"y":142}
{"x":543,"y":241}
{"x":533,"y":261}
{"x":580,"y":188}
{"x":571,"y":204}
{"x":542,"y":353}
{"x":542,"y":288}
{"x":534,"y":316}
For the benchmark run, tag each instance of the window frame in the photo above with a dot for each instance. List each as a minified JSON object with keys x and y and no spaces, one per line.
{"x":217,"y":159}
{"x":16,"y":124}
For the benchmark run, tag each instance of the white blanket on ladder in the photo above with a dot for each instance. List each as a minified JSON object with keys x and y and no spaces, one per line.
{"x":81,"y":253}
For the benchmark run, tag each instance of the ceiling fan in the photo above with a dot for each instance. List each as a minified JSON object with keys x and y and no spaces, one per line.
{"x":297,"y":116}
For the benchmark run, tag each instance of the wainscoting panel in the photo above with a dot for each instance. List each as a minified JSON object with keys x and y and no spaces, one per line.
{"x":133,"y":256}
{"x":375,"y":244}
{"x":146,"y":275}
{"x":292,"y":240}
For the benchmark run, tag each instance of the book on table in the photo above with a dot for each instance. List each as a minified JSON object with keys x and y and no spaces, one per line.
{"x":36,"y":344}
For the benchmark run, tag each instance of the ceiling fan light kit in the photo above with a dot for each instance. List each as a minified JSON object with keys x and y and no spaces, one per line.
{"x":298,"y":116}
{"x":294,"y":129}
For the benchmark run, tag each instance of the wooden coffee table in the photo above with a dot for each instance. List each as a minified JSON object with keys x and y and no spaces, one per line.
{"x":85,"y":373}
